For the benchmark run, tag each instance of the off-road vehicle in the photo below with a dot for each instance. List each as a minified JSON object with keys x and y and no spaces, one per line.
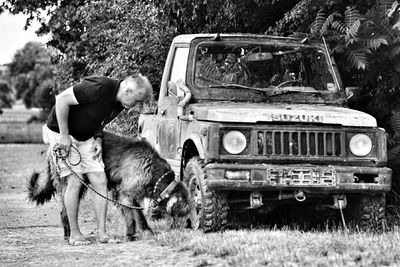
{"x":258,"y":122}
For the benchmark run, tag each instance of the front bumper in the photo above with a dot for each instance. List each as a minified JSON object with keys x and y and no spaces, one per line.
{"x":309,"y":178}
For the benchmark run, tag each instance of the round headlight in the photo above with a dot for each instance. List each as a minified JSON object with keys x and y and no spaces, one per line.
{"x":234,"y":142}
{"x":360,"y":145}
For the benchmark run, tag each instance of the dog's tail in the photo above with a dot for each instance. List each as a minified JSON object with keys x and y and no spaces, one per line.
{"x":40,"y":186}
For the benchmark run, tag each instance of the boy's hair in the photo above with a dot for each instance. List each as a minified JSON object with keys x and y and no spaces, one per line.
{"x":143,"y":82}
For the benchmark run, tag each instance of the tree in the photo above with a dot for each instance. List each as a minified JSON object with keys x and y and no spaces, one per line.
{"x":197,"y":16}
{"x":120,"y":38}
{"x":6,"y":98}
{"x":30,"y":68}
{"x":301,"y":15}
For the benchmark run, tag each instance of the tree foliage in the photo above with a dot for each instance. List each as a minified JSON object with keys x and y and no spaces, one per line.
{"x":30,"y":68}
{"x":6,"y":92}
{"x":202,"y":16}
{"x":362,"y":42}
{"x":346,"y":33}
{"x":301,"y":15}
{"x":6,"y":98}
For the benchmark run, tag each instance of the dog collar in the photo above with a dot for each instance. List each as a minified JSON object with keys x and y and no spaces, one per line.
{"x":167,"y":191}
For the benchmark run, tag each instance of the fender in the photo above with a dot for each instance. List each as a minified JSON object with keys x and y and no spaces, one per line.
{"x":196,"y":139}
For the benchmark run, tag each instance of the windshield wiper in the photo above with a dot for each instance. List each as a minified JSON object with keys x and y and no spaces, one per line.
{"x":272,"y":91}
{"x":278,"y":92}
{"x":233,"y":85}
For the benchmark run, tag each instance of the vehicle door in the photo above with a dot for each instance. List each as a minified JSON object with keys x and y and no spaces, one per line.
{"x":168,"y":124}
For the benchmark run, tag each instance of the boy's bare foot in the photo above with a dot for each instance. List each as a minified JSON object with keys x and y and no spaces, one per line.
{"x":109,"y":240}
{"x":78,"y":241}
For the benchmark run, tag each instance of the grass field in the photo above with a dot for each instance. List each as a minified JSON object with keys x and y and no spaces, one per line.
{"x":290,"y":247}
{"x":15,"y":129}
{"x":287,"y":246}
{"x":17,"y":161}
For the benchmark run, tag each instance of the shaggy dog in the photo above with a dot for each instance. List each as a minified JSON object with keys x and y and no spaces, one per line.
{"x":133,"y":170}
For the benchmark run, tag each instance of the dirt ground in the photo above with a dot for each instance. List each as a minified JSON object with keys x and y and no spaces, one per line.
{"x":32,"y":236}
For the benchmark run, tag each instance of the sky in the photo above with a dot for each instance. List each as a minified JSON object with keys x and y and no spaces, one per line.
{"x":13,"y":36}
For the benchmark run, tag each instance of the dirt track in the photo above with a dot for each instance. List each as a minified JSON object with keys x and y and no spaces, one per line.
{"x":32,"y":236}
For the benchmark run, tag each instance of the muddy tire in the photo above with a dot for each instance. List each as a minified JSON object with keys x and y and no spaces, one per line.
{"x":366,"y":211}
{"x":209,"y":209}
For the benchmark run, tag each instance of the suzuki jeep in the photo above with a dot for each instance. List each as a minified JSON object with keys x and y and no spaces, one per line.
{"x":258,"y":122}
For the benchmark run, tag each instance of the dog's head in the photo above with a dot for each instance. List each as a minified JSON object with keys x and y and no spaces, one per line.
{"x":178,"y":204}
{"x":170,"y":197}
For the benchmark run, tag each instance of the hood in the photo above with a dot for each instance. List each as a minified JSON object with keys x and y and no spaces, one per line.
{"x":273,"y":112}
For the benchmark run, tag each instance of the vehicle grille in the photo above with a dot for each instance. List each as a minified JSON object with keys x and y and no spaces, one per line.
{"x":300,"y":143}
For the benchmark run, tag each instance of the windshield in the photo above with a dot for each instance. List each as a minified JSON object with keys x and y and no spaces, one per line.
{"x":263,"y":66}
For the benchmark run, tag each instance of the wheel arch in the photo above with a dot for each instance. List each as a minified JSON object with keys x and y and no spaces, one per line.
{"x":191,"y":147}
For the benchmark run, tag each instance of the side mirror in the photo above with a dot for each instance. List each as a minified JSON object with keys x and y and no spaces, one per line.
{"x":172,"y":89}
{"x":353,"y":93}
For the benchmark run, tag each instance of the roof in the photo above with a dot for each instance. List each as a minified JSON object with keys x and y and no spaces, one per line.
{"x":188,"y":38}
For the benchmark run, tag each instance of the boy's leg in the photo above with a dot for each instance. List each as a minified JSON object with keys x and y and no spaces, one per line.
{"x":99,"y":182}
{"x":72,"y":201}
{"x":71,"y":194}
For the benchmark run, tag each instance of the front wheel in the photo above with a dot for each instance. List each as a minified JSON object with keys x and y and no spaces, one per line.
{"x":209,"y":209}
{"x":366,"y":211}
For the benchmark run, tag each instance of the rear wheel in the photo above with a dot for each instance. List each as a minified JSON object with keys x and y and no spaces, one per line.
{"x":366,"y":211}
{"x":209,"y":209}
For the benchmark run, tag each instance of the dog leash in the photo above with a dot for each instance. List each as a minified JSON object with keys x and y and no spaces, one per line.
{"x":63,"y":155}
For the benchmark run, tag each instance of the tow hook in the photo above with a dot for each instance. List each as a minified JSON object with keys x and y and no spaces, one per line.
{"x":339,"y":201}
{"x":299,"y":195}
{"x":255,"y":200}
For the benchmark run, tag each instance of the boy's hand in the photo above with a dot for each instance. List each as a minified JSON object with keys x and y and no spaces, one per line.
{"x":97,"y":148}
{"x":65,"y":142}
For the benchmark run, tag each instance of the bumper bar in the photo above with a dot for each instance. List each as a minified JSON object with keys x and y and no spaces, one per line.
{"x":309,"y":178}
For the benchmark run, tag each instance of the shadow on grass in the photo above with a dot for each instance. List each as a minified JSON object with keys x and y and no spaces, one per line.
{"x":295,"y":217}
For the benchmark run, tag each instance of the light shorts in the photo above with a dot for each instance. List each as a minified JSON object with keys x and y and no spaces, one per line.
{"x":87,"y":163}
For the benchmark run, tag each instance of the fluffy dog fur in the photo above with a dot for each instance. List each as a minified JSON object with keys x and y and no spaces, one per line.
{"x":132,"y":167}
